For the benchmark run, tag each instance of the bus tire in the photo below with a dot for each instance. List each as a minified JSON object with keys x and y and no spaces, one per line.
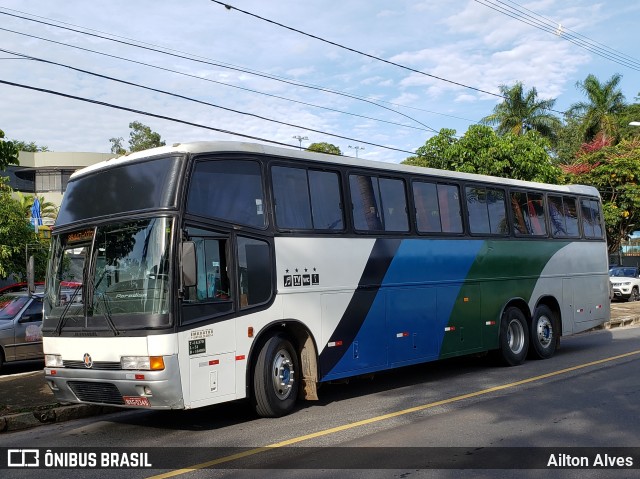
{"x":514,"y":337}
{"x":544,"y":332}
{"x":275,"y":386}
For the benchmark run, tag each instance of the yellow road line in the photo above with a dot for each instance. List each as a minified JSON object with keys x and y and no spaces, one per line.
{"x":364,"y":422}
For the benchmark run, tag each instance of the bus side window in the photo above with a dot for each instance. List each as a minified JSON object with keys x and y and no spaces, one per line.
{"x":563,"y":215}
{"x":254,"y":271}
{"x":212,"y":275}
{"x":487,"y":210}
{"x":591,"y":218}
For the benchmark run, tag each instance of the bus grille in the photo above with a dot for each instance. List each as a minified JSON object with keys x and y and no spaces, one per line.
{"x":106,"y":393}
{"x":114,"y":365}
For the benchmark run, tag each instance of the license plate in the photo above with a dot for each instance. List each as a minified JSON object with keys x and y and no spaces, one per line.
{"x":136,"y":401}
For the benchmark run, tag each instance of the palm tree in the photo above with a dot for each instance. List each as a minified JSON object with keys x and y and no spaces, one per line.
{"x":598,"y":114}
{"x":47,"y":209}
{"x":520,"y":112}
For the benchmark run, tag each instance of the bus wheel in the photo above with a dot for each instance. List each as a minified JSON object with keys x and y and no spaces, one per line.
{"x":544,"y":332}
{"x":514,"y":337}
{"x":275,"y":385}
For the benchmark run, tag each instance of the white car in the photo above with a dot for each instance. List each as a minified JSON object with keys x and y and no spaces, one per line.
{"x":625,"y":281}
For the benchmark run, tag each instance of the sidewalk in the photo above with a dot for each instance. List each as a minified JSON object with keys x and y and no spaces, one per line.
{"x":26,"y":400}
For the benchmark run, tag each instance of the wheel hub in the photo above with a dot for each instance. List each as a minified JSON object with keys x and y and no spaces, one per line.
{"x":283,"y":374}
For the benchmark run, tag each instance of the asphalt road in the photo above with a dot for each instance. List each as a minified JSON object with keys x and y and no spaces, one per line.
{"x":588,"y":395}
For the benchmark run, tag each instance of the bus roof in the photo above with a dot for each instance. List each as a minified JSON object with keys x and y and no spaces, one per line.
{"x":261,"y":149}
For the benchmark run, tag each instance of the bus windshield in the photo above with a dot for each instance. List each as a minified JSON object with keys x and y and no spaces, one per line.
{"x":113,"y":277}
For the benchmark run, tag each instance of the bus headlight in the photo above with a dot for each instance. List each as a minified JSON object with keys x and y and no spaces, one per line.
{"x":145,"y":363}
{"x":53,"y":360}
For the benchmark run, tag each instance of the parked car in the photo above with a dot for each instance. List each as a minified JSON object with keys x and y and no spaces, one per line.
{"x":20,"y":327}
{"x":625,"y":281}
{"x":18,"y":287}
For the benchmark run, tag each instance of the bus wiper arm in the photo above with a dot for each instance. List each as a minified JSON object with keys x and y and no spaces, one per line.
{"x":63,"y":316}
{"x":107,"y":315}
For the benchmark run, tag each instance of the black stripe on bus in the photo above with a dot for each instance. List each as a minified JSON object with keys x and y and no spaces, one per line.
{"x":374,"y":272}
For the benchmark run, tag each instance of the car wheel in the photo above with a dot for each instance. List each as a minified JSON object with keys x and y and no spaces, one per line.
{"x":634,"y":294}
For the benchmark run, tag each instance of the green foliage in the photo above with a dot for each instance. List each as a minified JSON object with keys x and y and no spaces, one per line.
{"x":30,"y":147}
{"x":142,"y":137}
{"x":482,"y":151}
{"x":570,"y":139}
{"x":629,"y":113}
{"x":17,"y":236}
{"x":324,"y":147}
{"x":8,"y":152}
{"x":615,"y":171}
{"x":116,"y":146}
{"x":520,"y":112}
{"x":598,"y":114}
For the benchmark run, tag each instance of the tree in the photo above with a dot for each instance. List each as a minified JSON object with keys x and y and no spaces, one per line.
{"x":30,"y":147}
{"x":629,"y":113}
{"x":142,"y":137}
{"x":615,"y":172}
{"x":8,"y":153}
{"x":116,"y":146}
{"x":482,"y":151}
{"x":520,"y":112}
{"x":324,"y":147}
{"x":47,"y":209}
{"x":598,"y":115}
{"x":16,"y":236}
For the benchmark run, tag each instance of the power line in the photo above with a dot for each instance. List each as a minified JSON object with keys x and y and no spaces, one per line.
{"x":222,"y":65}
{"x":176,"y":120}
{"x":398,"y":105}
{"x":217,"y":82}
{"x":359,"y":52}
{"x":550,"y":26}
{"x":176,"y":95}
{"x":353,"y":50}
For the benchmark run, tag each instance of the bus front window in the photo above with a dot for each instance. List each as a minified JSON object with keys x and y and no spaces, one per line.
{"x":131,"y":271}
{"x":113,"y":277}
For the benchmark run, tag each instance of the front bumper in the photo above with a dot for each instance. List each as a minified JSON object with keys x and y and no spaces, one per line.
{"x":123,"y":388}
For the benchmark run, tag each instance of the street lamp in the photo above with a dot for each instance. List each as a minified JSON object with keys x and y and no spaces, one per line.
{"x":300,"y":139}
{"x":357,"y":148}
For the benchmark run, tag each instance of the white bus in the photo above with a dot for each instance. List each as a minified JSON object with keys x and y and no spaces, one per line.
{"x":217,"y":271}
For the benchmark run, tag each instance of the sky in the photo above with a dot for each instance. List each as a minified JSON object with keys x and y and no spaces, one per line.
{"x":376,"y":78}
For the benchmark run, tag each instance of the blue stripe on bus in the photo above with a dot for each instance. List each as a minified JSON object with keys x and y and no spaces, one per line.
{"x":402,"y":319}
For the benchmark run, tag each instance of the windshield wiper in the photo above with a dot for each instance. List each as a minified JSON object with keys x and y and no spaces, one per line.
{"x":63,"y":316}
{"x":107,"y":314}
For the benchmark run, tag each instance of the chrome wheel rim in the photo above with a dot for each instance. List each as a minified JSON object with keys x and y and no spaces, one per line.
{"x":515,"y":336}
{"x":282,"y":374}
{"x":544,"y":331}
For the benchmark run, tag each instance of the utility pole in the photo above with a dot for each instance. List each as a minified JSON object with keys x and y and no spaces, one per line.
{"x":300,"y":139}
{"x":357,"y":148}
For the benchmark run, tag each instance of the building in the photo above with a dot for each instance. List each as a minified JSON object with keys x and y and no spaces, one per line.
{"x":47,"y":173}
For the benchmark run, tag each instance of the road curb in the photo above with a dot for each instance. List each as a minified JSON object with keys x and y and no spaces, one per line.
{"x":27,"y":420}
